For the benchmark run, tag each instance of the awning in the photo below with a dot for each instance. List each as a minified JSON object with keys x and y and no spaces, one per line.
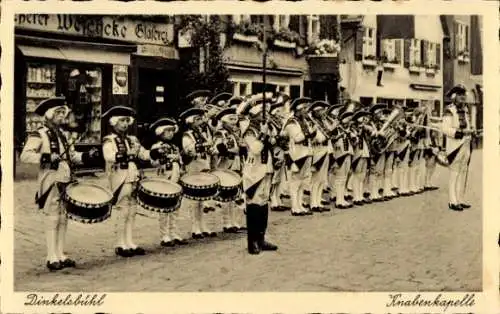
{"x":95,"y":56}
{"x":76,"y":54}
{"x":41,"y":52}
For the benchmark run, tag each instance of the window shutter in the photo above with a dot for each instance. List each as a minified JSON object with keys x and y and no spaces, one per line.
{"x":438,"y":56}
{"x":397,"y":47}
{"x":378,"y":47}
{"x":294,"y":23}
{"x":466,"y":38}
{"x":358,"y":47}
{"x":327,"y":26}
{"x":423,"y":52}
{"x":455,"y":40}
{"x":406,"y":55}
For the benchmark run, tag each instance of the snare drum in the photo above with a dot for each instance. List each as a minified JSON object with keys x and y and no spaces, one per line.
{"x":159,"y":195}
{"x":87,"y":203}
{"x":230,"y":184}
{"x":200,"y":186}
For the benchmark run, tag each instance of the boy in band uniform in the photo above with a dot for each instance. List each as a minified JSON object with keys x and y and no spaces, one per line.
{"x":49,"y":147}
{"x":457,"y":128}
{"x":168,"y":164}
{"x":361,"y":155}
{"x":229,"y":159}
{"x":257,"y":178}
{"x":300,"y":134}
{"x":198,"y":149}
{"x":121,"y":153}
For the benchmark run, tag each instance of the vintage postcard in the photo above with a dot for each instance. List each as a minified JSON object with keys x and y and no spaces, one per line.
{"x":219,"y":157}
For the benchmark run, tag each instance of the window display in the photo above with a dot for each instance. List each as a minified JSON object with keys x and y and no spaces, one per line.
{"x":40,"y":84}
{"x":83,"y":89}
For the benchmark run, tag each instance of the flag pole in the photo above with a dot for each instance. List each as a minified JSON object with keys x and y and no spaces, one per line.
{"x":339,"y":42}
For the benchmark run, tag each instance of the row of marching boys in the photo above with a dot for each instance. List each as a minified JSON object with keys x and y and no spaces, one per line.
{"x":293,"y":145}
{"x":200,"y":150}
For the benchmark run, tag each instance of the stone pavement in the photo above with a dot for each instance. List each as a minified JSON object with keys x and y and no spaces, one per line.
{"x":406,"y":244}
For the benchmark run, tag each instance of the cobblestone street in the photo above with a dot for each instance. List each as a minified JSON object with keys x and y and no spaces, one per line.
{"x":406,"y":244}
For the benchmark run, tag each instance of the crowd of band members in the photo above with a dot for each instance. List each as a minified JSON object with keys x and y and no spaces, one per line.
{"x":297,"y":147}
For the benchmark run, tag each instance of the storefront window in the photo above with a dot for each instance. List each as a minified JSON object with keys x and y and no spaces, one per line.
{"x":40,"y":85}
{"x":82,"y":86}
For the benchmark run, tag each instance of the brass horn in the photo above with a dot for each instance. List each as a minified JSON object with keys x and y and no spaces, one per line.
{"x":387,"y":133}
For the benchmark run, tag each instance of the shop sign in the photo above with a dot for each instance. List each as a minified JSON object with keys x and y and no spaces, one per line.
{"x":118,"y":28}
{"x":157,"y":51}
{"x":138,"y":31}
{"x":120,"y":79}
{"x":84,"y":25}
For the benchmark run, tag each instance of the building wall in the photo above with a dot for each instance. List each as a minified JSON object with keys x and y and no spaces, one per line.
{"x":361,"y":81}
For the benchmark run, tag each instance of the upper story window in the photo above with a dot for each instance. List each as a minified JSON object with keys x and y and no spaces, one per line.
{"x":462,"y":37}
{"x":281,"y":21}
{"x":415,"y":52}
{"x":391,"y":50}
{"x":369,"y":43}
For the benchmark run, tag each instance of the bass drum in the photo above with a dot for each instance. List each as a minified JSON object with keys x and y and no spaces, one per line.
{"x":230,"y":185}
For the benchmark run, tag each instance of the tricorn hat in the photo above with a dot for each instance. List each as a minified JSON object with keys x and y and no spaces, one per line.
{"x":319,"y":104}
{"x":225,"y":112}
{"x":300,"y":103}
{"x":220,"y":99}
{"x":47,"y":104}
{"x":457,"y":89}
{"x":376,"y":107}
{"x":349,"y":110}
{"x":162,"y":123}
{"x":119,"y":111}
{"x":335,"y":109}
{"x":361,"y":113}
{"x":191,"y":112}
{"x":197,"y":94}
{"x":235,"y":101}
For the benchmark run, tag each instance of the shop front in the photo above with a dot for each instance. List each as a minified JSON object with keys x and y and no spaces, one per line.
{"x":93,"y":61}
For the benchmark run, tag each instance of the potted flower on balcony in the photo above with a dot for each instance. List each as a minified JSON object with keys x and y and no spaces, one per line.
{"x":463,"y":56}
{"x":323,"y":56}
{"x":416,"y":67}
{"x":286,"y":38}
{"x":370,"y":60}
{"x":247,"y":32}
{"x":391,"y":63}
{"x":430,"y":69}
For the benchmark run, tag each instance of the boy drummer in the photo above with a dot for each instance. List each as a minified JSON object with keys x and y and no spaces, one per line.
{"x":121,"y":152}
{"x":229,"y":159}
{"x":49,"y":147}
{"x":197,"y":148}
{"x":168,"y":165}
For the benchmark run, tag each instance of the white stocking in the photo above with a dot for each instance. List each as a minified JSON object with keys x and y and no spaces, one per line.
{"x":61,"y":236}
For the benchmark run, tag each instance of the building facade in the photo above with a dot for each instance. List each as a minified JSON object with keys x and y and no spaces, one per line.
{"x":463,"y":60}
{"x":395,"y":68}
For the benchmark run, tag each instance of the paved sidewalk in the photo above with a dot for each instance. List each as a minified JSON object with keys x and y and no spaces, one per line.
{"x":406,"y":244}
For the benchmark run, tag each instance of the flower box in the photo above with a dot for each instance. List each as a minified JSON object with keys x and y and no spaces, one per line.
{"x":370,"y":62}
{"x":415,"y":69}
{"x":284,"y":44}
{"x":430,"y":71}
{"x":246,"y":38}
{"x":325,"y":64}
{"x":388,"y":65}
{"x":463,"y":59}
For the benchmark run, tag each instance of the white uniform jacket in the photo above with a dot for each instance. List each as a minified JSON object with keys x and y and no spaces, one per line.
{"x":230,"y":159}
{"x":300,"y":146}
{"x":37,"y":150}
{"x":120,"y":168}
{"x":195,"y":149}
{"x":453,"y":122}
{"x":168,"y":168}
{"x":258,"y":163}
